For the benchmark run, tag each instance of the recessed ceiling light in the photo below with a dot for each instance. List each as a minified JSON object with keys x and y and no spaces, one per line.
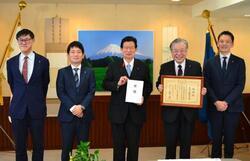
{"x":175,"y":0}
{"x":247,"y":15}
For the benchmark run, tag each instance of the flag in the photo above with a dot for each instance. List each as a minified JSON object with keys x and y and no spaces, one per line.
{"x":209,"y":53}
{"x":11,"y":50}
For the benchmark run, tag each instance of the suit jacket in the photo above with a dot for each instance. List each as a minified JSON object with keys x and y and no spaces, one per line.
{"x":192,"y":68}
{"x":119,"y":109}
{"x":227,"y":87}
{"x":67,"y":93}
{"x":29,"y":96}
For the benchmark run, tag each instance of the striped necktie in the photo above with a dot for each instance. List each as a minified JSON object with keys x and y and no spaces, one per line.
{"x":25,"y":69}
{"x":76,"y":77}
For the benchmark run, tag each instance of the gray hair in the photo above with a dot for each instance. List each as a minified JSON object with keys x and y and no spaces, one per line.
{"x":176,"y":41}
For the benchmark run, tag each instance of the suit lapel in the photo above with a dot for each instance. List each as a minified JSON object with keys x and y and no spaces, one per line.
{"x":36,"y":67}
{"x":188,"y":68}
{"x":135,"y":69}
{"x":218,"y":64}
{"x":122,"y":68}
{"x":16,"y":67}
{"x":230,"y":64}
{"x":82,"y":75}
{"x":172,"y":68}
{"x":70,"y":76}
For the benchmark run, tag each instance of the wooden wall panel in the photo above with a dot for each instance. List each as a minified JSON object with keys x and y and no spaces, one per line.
{"x":100,"y":133}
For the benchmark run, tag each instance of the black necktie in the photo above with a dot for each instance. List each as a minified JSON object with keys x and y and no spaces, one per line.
{"x":224,"y":64}
{"x":179,"y":70}
{"x":76,"y":77}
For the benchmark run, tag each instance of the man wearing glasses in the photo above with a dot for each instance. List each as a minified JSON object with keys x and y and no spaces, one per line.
{"x":179,"y":122}
{"x":28,"y":78}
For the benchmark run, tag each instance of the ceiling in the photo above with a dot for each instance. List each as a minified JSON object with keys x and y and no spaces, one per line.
{"x":234,"y":11}
{"x":218,"y":8}
{"x":182,"y":2}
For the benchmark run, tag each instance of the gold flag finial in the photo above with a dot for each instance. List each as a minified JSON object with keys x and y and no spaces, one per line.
{"x":206,"y":14}
{"x":22,"y":4}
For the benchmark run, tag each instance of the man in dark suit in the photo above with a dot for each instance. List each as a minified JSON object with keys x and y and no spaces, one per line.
{"x":225,"y":80}
{"x":28,"y":78}
{"x":179,"y":122}
{"x":126,"y":118}
{"x":75,"y":88}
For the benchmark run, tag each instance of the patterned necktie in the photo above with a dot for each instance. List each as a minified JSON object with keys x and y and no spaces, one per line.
{"x":76,"y":77}
{"x":224,"y":64}
{"x":128,"y":68}
{"x":179,"y":70}
{"x":25,"y":69}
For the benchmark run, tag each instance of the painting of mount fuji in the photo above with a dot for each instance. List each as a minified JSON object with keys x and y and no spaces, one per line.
{"x":103,"y":47}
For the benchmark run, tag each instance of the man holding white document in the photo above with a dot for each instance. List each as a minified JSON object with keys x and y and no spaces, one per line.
{"x":130,"y":86}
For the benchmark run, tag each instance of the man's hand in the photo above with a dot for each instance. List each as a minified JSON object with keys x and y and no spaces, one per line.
{"x":160,"y":88}
{"x":221,"y":105}
{"x":123,"y":80}
{"x":78,"y":111}
{"x":142,"y":100}
{"x":204,"y":91}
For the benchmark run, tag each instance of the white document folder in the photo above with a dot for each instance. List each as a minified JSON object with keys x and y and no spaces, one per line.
{"x":134,"y":91}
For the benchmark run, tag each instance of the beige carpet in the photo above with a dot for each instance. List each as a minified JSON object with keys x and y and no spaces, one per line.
{"x":242,"y":152}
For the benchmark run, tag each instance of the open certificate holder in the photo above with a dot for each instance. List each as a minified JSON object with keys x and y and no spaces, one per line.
{"x":134,"y":91}
{"x":182,"y":91}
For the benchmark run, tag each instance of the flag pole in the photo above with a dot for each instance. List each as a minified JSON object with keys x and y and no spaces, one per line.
{"x":22,"y":4}
{"x":206,"y":14}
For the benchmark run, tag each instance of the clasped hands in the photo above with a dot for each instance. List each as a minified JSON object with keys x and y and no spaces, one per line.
{"x":221,"y":105}
{"x":77,"y":110}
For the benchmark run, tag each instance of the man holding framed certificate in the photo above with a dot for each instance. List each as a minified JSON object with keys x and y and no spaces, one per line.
{"x":130,"y":86}
{"x":178,"y":111}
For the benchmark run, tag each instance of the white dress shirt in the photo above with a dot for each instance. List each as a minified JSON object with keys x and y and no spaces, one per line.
{"x":222,"y":59}
{"x":183,"y":64}
{"x":131,"y":63}
{"x":78,"y":71}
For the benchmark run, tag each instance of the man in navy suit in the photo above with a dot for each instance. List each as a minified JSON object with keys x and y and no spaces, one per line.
{"x":75,"y":88}
{"x":225,"y":80}
{"x":179,"y":122}
{"x":28,"y":78}
{"x":126,"y":118}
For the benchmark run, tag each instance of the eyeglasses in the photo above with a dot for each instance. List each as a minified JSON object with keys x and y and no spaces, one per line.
{"x":23,"y":40}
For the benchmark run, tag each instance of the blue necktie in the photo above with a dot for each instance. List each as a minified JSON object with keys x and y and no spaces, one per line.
{"x":76,"y":77}
{"x":128,"y":68}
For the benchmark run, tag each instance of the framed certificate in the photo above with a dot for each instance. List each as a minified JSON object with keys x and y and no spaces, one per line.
{"x":182,"y":91}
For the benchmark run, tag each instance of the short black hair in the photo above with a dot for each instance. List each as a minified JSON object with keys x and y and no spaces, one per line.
{"x":228,"y":33}
{"x":25,"y":32}
{"x":128,"y":38}
{"x":75,"y":44}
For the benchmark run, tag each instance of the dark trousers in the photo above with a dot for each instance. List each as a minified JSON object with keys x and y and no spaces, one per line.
{"x":181,"y":129}
{"x":224,"y":125}
{"x":129,"y":133}
{"x":76,"y":128}
{"x":20,"y":129}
